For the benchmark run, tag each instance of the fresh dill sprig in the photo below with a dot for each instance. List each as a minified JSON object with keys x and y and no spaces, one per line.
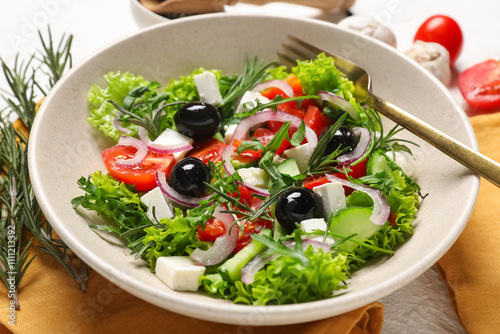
{"x":20,"y":208}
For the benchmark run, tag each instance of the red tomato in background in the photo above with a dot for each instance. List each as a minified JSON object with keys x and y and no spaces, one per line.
{"x":444,"y":30}
{"x":142,"y":175}
{"x":210,"y":149}
{"x":480,"y":85}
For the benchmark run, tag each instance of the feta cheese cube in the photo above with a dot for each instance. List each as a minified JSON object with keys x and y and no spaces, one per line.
{"x":229,"y":131}
{"x":247,"y":101}
{"x":208,"y":88}
{"x":179,"y":273}
{"x":155,"y":199}
{"x":312,"y":224}
{"x":301,"y":154}
{"x":333,"y":197}
{"x":407,"y":163}
{"x":172,"y":137}
{"x":254,"y":176}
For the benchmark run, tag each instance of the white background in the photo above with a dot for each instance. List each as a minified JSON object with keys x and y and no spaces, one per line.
{"x":422,"y":306}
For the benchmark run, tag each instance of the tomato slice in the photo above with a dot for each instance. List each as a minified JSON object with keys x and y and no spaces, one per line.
{"x":480,"y":85}
{"x":316,"y":120}
{"x":207,"y":150}
{"x":142,"y":175}
{"x":214,"y":228}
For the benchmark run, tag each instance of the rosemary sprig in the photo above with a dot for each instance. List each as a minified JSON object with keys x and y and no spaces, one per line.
{"x":14,"y":255}
{"x":20,"y":210}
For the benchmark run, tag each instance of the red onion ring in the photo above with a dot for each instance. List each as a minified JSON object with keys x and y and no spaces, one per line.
{"x":340,"y":102}
{"x":118,"y":126}
{"x":381,"y":209}
{"x":161,"y":181}
{"x":359,"y":151}
{"x":140,"y":155}
{"x":159,"y":148}
{"x":142,"y":133}
{"x":245,"y":125}
{"x":254,"y":265}
{"x":223,"y":245}
{"x":280,"y":84}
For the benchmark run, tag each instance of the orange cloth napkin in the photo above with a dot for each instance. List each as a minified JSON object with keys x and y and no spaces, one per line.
{"x":471,"y":268}
{"x":51,"y":302}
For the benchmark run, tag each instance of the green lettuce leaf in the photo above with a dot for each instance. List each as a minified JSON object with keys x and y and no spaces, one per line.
{"x":102,"y":113}
{"x":285,"y":280}
{"x":171,"y":237}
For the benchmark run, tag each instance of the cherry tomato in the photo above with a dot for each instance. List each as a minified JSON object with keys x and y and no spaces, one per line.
{"x":251,"y":227}
{"x":480,"y":85}
{"x":356,"y":172}
{"x":316,"y":120}
{"x":207,"y":150}
{"x":443,"y":30}
{"x":142,"y":175}
{"x":265,"y":136}
{"x":214,"y":228}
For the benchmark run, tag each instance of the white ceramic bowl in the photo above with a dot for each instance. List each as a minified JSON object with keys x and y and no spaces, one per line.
{"x":64,"y":147}
{"x":143,"y":16}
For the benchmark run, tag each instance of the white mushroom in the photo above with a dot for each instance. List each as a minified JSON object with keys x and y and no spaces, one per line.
{"x":434,"y":57}
{"x":369,"y":27}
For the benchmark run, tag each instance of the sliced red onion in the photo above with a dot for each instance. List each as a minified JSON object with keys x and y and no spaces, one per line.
{"x":363,"y":142}
{"x":223,"y":245}
{"x":280,"y":84}
{"x":381,"y":209}
{"x":340,"y":102}
{"x":241,"y":132}
{"x":253,"y":266}
{"x":159,"y":148}
{"x":140,"y":155}
{"x":143,"y":135}
{"x":161,"y":181}
{"x":118,"y":126}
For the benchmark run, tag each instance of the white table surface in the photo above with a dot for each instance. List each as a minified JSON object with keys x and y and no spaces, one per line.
{"x":422,"y":306}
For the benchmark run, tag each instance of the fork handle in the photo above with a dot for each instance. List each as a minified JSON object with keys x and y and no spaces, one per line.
{"x":479,"y":163}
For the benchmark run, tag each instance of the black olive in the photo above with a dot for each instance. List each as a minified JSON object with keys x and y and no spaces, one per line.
{"x":296,"y":205}
{"x":345,"y":138}
{"x":197,"y":120}
{"x":188,"y":177}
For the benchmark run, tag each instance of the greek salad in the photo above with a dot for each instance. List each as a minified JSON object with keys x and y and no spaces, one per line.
{"x":268,"y":187}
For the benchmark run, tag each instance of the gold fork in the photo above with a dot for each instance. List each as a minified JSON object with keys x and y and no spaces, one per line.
{"x":470,"y":158}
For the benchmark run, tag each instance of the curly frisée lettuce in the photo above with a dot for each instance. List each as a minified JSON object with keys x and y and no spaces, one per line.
{"x":102,"y":113}
{"x":285,"y":280}
{"x":123,"y":89}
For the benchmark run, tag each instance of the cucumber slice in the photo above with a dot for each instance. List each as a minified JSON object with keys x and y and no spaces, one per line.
{"x":353,"y":220}
{"x":289,"y":167}
{"x":234,"y":265}
{"x":377,"y":163}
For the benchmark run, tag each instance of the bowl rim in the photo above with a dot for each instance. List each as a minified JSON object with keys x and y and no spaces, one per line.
{"x":281,"y":312}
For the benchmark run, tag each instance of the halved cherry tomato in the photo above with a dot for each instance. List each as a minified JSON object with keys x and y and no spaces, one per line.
{"x":143,"y":175}
{"x":207,"y":150}
{"x":214,"y":228}
{"x":443,"y":30}
{"x":356,"y":172}
{"x":251,"y":227}
{"x":265,"y":136}
{"x":316,"y":120}
{"x":480,"y":85}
